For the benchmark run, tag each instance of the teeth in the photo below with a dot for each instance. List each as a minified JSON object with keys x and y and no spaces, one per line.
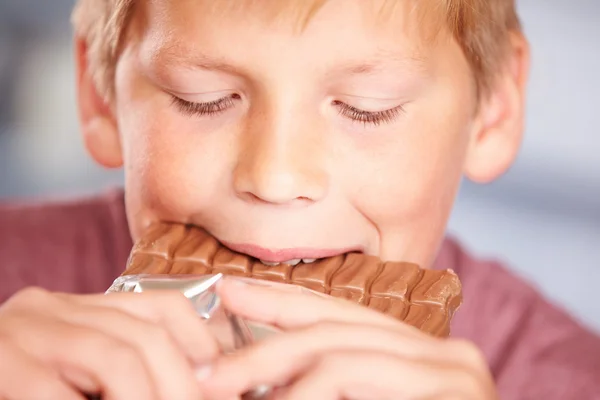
{"x":270,"y":264}
{"x":290,"y":262}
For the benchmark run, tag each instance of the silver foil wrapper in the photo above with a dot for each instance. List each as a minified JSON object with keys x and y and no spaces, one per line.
{"x":231,"y":331}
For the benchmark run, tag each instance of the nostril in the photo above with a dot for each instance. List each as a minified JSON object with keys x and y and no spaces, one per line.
{"x":254,"y":199}
{"x":251,"y":198}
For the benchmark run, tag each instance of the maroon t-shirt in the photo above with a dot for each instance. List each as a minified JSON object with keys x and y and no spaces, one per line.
{"x":535,"y":350}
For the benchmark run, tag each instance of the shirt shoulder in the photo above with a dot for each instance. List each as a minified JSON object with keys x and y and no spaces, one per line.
{"x":535,"y":349}
{"x":76,"y":245}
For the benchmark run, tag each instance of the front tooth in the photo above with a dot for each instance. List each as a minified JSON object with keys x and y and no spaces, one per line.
{"x":293,"y":262}
{"x":308,"y":260}
{"x":270,"y":264}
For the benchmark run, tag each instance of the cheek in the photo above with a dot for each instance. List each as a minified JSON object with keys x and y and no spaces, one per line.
{"x":172,"y":170}
{"x":412,"y":174}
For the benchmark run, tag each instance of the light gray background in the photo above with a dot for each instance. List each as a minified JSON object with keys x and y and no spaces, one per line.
{"x":543,"y":217}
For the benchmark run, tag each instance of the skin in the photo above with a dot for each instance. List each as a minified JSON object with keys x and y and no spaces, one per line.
{"x":335,"y":350}
{"x":267,"y":171}
{"x":281,"y":159}
{"x":56,"y":346}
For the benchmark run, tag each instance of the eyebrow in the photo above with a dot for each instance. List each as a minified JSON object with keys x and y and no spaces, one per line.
{"x":176,"y":55}
{"x":382,"y":60}
{"x":377,"y":65}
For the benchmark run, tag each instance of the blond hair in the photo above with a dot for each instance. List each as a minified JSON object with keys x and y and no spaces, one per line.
{"x":481,"y":27}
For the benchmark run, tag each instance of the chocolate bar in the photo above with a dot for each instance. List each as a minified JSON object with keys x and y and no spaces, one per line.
{"x":425,"y":299}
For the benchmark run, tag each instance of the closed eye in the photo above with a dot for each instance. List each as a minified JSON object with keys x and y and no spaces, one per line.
{"x":220,"y":105}
{"x":368,"y":117}
{"x":209,"y":108}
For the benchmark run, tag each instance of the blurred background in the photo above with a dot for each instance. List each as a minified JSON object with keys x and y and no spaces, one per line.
{"x":542,"y":218}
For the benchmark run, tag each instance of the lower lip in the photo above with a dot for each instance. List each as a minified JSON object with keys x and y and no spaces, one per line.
{"x":279,"y":256}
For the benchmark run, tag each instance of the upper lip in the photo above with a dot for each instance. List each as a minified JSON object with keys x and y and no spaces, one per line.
{"x":281,"y":255}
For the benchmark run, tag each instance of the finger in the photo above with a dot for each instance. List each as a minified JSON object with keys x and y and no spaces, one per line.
{"x":284,"y":356}
{"x":169,"y":309}
{"x":171,"y":371}
{"x":279,"y":286}
{"x":377,"y":376}
{"x":291,"y":310}
{"x":114,"y":368}
{"x":23,"y":377}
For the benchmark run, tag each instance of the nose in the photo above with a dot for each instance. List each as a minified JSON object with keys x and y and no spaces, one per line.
{"x":282,"y":167}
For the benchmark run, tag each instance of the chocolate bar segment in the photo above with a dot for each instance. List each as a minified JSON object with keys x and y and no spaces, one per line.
{"x":426,"y":299}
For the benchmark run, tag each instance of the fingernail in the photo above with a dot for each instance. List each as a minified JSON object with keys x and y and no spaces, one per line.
{"x":203,"y":372}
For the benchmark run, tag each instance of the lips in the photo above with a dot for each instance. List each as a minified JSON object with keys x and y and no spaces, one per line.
{"x":288,"y":256}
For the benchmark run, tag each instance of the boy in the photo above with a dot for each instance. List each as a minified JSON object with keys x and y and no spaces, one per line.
{"x":291,"y":130}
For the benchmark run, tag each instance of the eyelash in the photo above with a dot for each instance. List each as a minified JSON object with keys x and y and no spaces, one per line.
{"x":215,"y":107}
{"x":368,"y":117}
{"x":205,"y":109}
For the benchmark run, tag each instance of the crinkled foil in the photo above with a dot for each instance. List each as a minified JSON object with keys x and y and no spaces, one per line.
{"x":231,"y":332}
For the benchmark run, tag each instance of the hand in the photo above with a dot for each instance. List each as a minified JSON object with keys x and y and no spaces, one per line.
{"x":333,"y":349}
{"x":123,"y":345}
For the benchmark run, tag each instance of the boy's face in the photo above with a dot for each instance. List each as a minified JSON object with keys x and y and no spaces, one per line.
{"x":350,"y":135}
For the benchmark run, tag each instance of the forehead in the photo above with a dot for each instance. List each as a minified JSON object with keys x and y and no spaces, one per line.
{"x":178,"y":27}
{"x":425,"y":18}
{"x":295,"y":12}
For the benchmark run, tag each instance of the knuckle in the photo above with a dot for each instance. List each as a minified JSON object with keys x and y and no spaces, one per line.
{"x":88,"y":346}
{"x":469,"y":383}
{"x":469,"y":354}
{"x":127,"y":358}
{"x":121,"y":359}
{"x":31,"y":296}
{"x":156,"y":335}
